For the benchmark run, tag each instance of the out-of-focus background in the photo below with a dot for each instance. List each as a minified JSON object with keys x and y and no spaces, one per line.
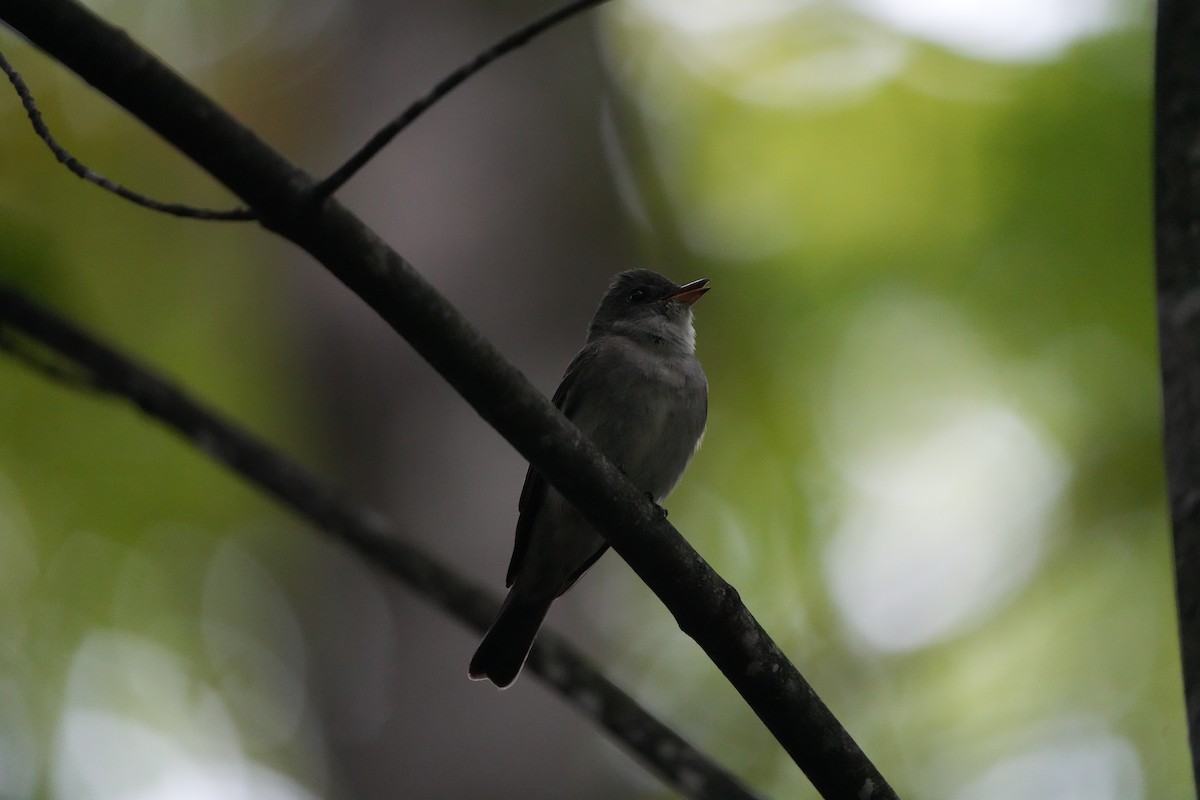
{"x":932,"y":466}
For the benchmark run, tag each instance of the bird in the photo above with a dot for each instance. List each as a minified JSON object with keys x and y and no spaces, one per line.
{"x":637,"y":390}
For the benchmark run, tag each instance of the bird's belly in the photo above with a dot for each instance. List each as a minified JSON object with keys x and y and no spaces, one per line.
{"x":650,"y":431}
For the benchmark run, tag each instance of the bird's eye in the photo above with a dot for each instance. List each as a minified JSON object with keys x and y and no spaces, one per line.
{"x":637,"y":295}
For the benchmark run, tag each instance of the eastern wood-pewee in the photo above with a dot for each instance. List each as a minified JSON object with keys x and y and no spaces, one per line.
{"x":637,"y":390}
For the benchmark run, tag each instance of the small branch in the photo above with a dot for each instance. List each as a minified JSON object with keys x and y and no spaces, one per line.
{"x":45,"y":363}
{"x":1177,"y":244}
{"x":443,"y":87}
{"x":83,"y":171}
{"x":65,"y":353}
{"x":342,"y":174}
{"x":706,"y":607}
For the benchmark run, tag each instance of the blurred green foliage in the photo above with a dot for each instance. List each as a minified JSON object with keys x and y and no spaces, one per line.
{"x":947,"y":240}
{"x":111,"y":527}
{"x":931,"y":336}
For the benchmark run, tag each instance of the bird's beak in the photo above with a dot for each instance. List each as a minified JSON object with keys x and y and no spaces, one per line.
{"x":689,"y":293}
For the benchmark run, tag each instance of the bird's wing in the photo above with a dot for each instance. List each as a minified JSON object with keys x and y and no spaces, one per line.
{"x":534,"y":490}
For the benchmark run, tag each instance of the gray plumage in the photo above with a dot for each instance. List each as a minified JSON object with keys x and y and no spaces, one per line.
{"x":638,"y":391}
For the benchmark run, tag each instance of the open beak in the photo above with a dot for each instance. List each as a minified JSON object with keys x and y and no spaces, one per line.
{"x":690,"y":292}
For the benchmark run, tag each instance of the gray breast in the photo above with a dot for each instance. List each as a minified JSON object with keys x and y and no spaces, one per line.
{"x":653,"y":414}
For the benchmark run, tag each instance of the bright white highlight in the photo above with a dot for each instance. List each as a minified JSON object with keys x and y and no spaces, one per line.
{"x":106,"y":756}
{"x":701,"y":17}
{"x":137,"y":725}
{"x":1083,"y":765}
{"x":989,"y":30}
{"x":942,"y":525}
{"x":997,"y":30}
{"x":949,"y":492}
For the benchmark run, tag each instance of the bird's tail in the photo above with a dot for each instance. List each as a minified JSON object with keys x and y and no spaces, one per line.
{"x":506,"y":645}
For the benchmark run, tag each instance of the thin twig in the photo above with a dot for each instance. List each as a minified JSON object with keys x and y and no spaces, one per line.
{"x":82,"y":360}
{"x":443,"y":87}
{"x":83,"y":171}
{"x":343,"y":173}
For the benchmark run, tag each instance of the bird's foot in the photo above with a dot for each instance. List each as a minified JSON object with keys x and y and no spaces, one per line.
{"x":662,"y":512}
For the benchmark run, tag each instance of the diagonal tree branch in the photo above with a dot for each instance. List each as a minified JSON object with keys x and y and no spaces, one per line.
{"x":67,"y":354}
{"x":706,"y":607}
{"x":1177,"y":234}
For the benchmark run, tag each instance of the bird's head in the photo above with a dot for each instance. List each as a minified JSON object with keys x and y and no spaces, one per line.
{"x":650,"y":309}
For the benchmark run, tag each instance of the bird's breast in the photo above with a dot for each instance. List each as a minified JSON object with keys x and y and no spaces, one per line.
{"x":652,"y":415}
